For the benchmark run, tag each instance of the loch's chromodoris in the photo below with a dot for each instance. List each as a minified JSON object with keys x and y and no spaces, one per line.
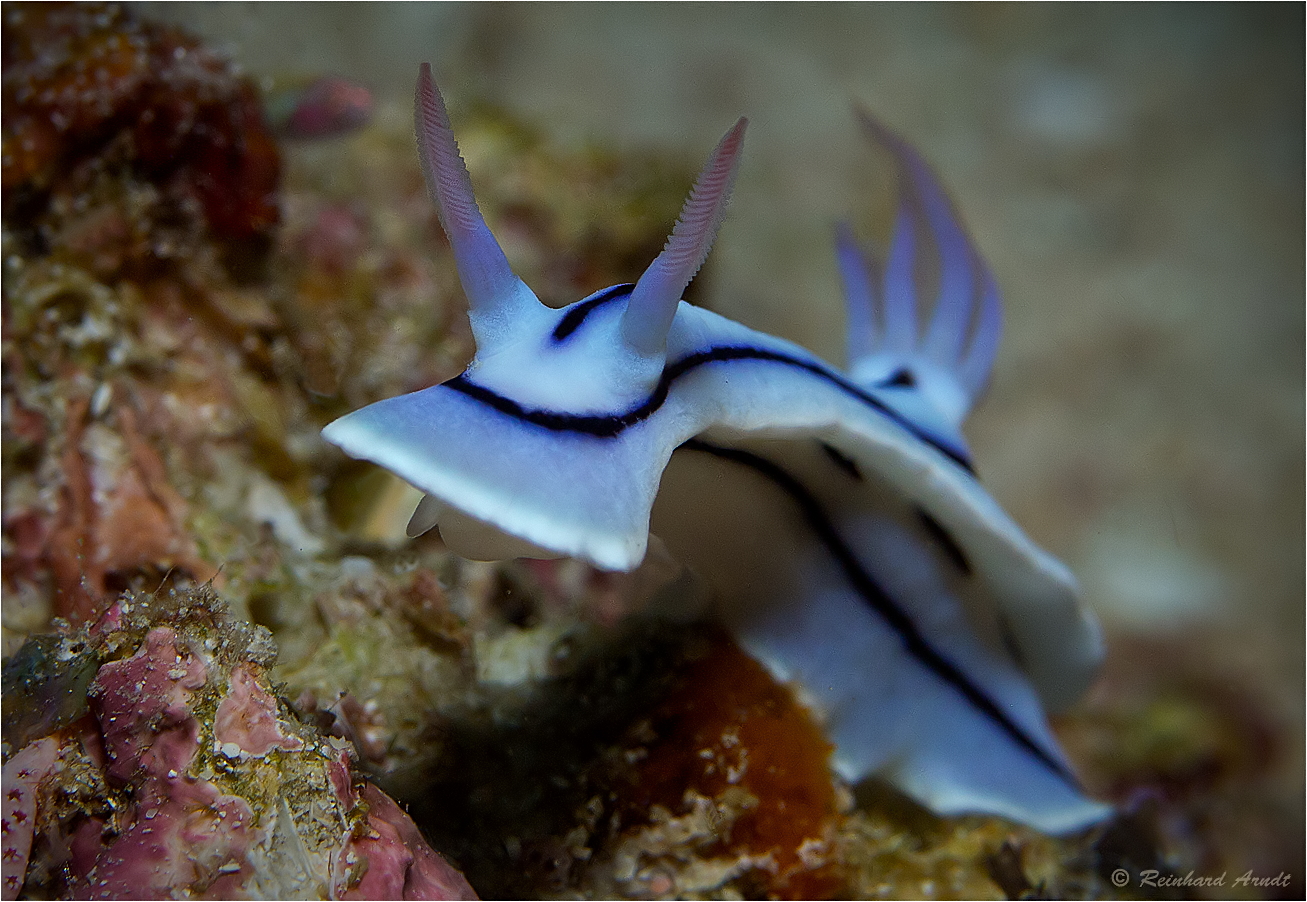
{"x":835,"y":515}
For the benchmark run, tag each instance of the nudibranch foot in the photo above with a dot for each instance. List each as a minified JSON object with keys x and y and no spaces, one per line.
{"x":836,"y":518}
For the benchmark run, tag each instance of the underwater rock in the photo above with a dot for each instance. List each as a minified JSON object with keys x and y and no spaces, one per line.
{"x":118,"y":504}
{"x":401,"y":863}
{"x":135,"y":164}
{"x":187,"y":776}
{"x":732,"y":782}
{"x":45,"y":685}
{"x":89,"y":89}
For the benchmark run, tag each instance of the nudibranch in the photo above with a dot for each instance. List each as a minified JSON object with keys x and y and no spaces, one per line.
{"x":835,"y":516}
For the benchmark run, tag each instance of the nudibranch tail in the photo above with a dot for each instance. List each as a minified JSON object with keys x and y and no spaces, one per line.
{"x":952,"y":360}
{"x":493,"y":291}
{"x":653,"y":303}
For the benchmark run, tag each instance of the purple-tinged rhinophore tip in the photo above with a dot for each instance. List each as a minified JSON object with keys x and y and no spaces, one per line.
{"x":493,"y":291}
{"x":653,"y":302}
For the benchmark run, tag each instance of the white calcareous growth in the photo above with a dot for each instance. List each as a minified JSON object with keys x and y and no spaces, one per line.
{"x":835,"y":515}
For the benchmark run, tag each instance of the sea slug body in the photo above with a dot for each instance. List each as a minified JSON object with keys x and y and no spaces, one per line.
{"x":836,"y":515}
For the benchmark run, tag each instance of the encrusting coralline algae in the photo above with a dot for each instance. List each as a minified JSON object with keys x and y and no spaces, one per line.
{"x":186,"y":776}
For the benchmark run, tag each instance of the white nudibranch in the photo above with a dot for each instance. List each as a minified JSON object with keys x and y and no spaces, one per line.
{"x":835,"y":516}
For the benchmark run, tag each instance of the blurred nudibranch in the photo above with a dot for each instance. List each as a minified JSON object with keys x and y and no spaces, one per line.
{"x":835,"y":515}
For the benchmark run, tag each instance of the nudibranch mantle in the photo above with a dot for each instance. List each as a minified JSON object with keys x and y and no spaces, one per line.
{"x":836,"y":517}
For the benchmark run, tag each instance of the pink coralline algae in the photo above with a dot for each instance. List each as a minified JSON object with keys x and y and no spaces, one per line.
{"x":247,"y":718}
{"x":183,"y":827}
{"x":402,"y":865}
{"x":142,"y":704}
{"x":190,"y":779}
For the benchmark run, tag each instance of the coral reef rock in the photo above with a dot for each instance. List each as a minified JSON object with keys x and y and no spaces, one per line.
{"x":187,"y":777}
{"x":91,"y":91}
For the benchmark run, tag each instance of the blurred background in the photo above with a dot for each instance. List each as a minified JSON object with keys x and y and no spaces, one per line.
{"x":1134,"y":176}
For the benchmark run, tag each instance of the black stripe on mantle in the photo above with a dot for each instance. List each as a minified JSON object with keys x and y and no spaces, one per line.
{"x":880,"y":602}
{"x":575,"y":316}
{"x":612,"y":425}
